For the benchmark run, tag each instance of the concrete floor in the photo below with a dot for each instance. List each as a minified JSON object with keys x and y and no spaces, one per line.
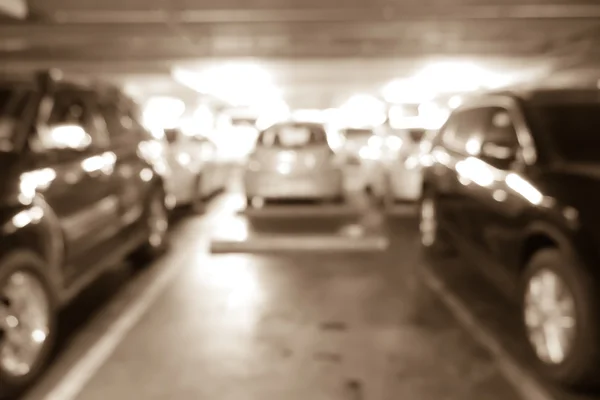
{"x":272,"y":326}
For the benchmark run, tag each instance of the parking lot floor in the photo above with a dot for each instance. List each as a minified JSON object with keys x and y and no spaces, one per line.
{"x":272,"y":326}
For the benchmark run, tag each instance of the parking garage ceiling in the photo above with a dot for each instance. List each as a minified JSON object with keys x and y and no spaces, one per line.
{"x":315,"y":47}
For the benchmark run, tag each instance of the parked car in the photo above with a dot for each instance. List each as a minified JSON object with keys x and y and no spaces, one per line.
{"x":362,"y":151}
{"x":357,"y":144}
{"x":515,"y":185}
{"x":293,"y":160}
{"x":197,"y":173}
{"x":77,"y":198}
{"x":403,"y":172}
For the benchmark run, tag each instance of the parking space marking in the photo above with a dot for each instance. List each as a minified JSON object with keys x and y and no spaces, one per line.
{"x":291,"y":243}
{"x":87,"y":366}
{"x":75,"y":380}
{"x":301,"y":211}
{"x":525,"y":384}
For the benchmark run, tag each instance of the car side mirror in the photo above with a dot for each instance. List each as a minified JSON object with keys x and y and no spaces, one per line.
{"x":499,"y":155}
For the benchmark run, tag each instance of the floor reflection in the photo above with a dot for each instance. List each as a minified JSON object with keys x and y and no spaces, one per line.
{"x":234,"y":228}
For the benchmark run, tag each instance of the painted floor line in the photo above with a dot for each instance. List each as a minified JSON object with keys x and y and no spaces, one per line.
{"x":295,"y":211}
{"x":87,"y":366}
{"x":527,"y":386}
{"x":75,"y":380}
{"x":300,"y":243}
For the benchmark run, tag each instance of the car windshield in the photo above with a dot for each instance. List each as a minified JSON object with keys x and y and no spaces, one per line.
{"x":574,"y":129}
{"x":293,"y":136}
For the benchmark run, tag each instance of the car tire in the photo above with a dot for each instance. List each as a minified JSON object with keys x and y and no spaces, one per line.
{"x":579,"y":365}
{"x":156,"y":220}
{"x":26,"y":267}
{"x":434,"y":240}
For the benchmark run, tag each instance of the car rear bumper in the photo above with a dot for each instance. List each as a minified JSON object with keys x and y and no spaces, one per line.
{"x":277,"y":186}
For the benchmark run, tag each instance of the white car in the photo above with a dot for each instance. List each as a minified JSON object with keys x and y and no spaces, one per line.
{"x":404,"y":166}
{"x":293,"y":160}
{"x":363,"y":153}
{"x":196,"y":172}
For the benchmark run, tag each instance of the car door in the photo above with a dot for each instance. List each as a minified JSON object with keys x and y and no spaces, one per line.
{"x":502,"y":204}
{"x":126,"y":134}
{"x":455,"y":172}
{"x":71,"y":165}
{"x":477,"y":179}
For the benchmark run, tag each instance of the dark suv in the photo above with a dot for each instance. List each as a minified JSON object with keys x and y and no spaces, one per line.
{"x":77,"y":197}
{"x":515,"y":185}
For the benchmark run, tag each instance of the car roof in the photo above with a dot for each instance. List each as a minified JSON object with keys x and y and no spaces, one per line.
{"x":545,"y":93}
{"x":29,"y":79}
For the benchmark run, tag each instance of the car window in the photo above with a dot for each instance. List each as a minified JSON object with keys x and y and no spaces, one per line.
{"x":14,"y":102}
{"x":123,"y":123}
{"x":447,"y":133}
{"x":472,"y":127}
{"x":117,"y":123}
{"x":573,"y":128}
{"x":500,"y":129}
{"x":293,"y":136}
{"x":73,"y":124}
{"x":132,"y":114}
{"x":468,"y":129}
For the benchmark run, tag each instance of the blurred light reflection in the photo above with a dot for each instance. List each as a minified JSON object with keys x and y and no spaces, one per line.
{"x":232,"y":228}
{"x":236,"y":280}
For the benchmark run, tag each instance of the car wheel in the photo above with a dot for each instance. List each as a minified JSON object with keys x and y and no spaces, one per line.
{"x":27,"y":323}
{"x":432,"y":237}
{"x":157,"y":225}
{"x":561,"y":318}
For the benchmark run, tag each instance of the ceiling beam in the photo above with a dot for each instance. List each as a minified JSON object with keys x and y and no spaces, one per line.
{"x":48,"y":34}
{"x":164,"y":65}
{"x":397,"y":12}
{"x":295,"y":50}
